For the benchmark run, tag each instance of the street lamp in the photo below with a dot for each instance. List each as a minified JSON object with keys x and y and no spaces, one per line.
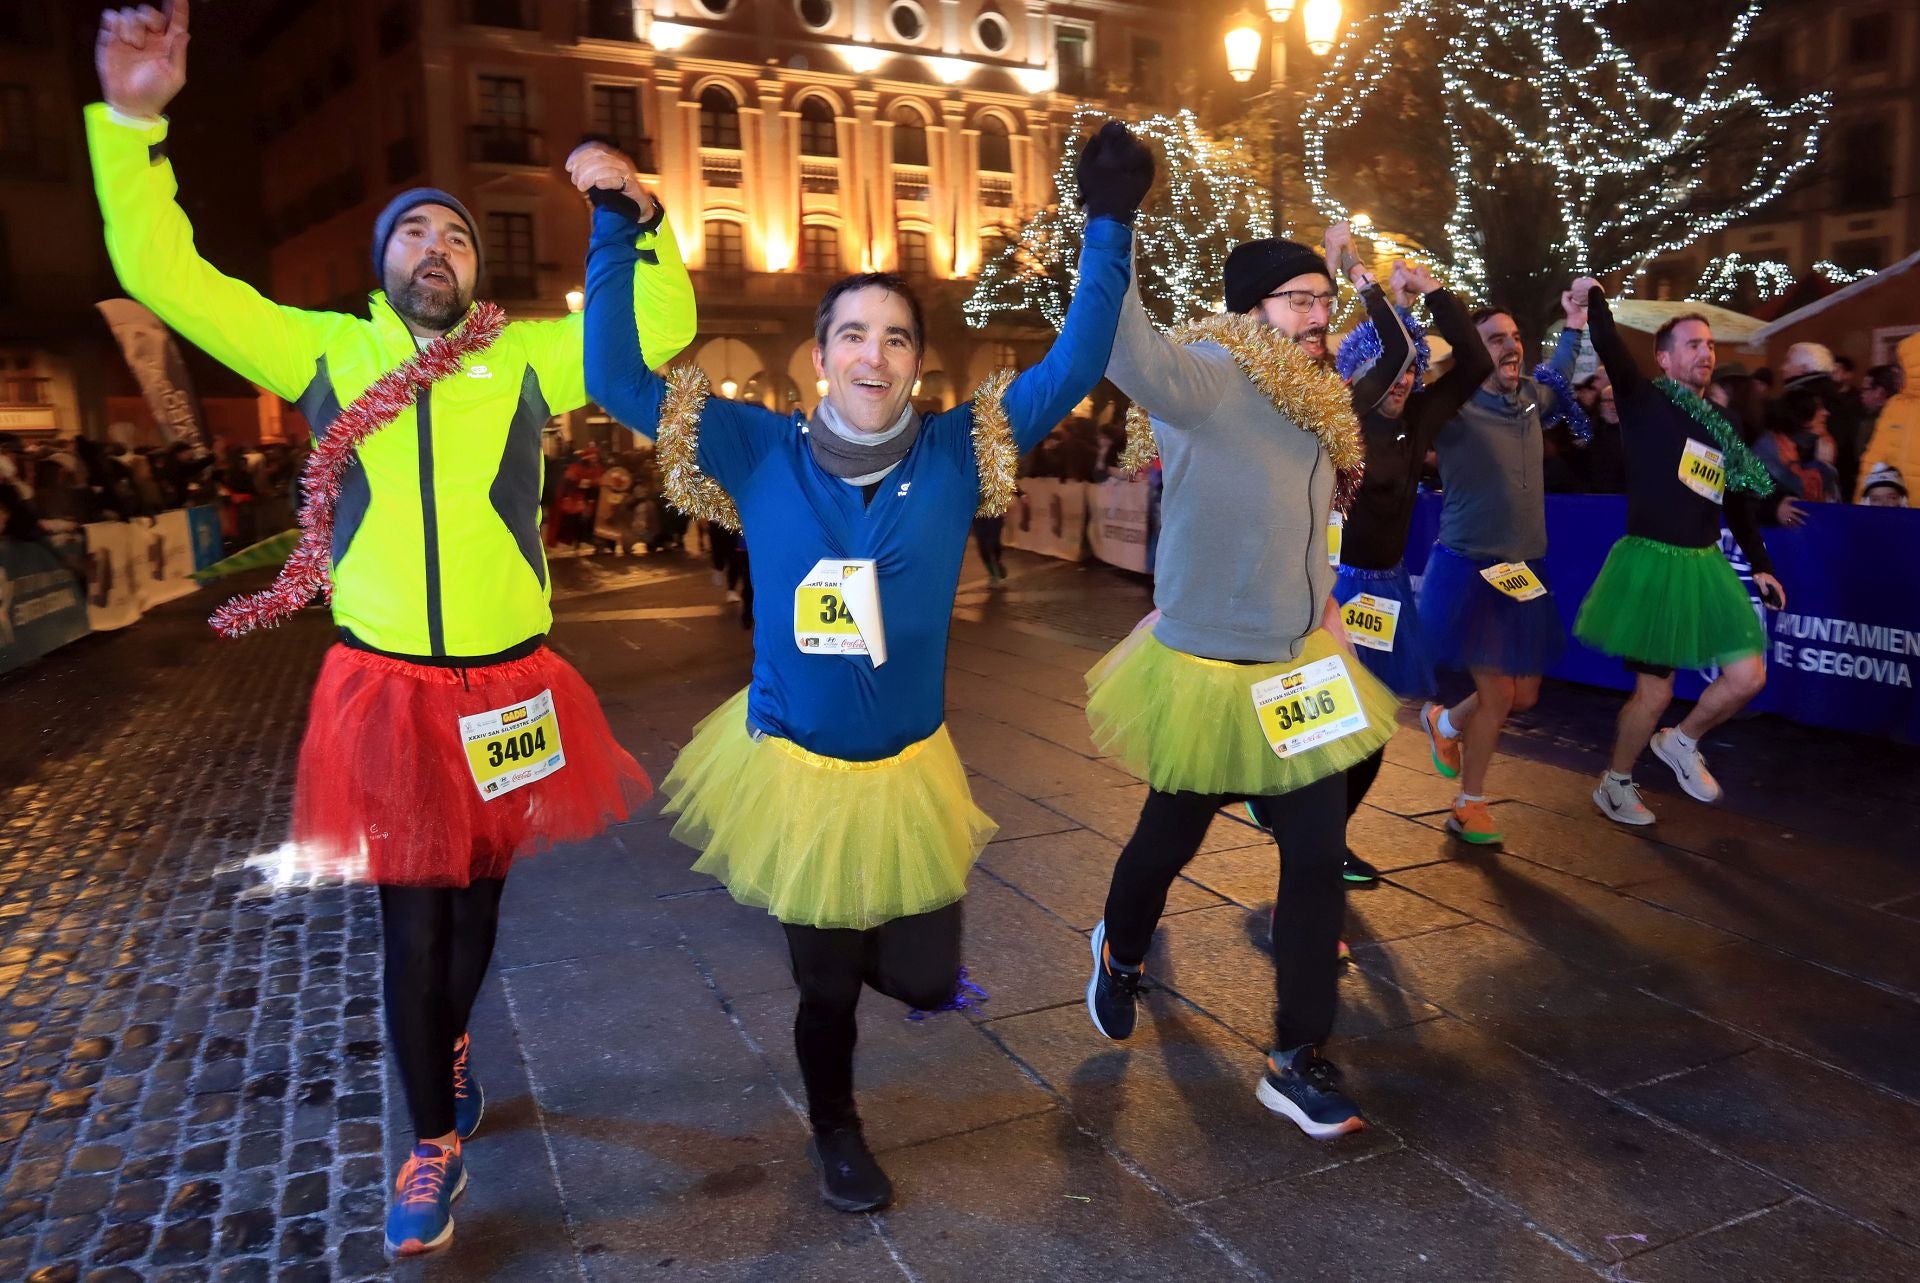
{"x":576,"y":299}
{"x":1279,"y":10}
{"x":1243,"y":47}
{"x":1322,"y":20}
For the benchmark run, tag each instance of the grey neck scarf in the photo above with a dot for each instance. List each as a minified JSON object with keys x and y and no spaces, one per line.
{"x":860,"y":458}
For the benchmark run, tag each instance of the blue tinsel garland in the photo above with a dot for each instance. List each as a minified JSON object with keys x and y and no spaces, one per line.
{"x":1361,"y":349}
{"x":1569,"y":410}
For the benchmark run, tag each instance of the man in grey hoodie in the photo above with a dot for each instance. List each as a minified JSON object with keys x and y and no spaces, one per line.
{"x":1240,"y":686}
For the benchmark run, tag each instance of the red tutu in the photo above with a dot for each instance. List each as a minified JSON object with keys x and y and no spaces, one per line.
{"x":418,"y":776}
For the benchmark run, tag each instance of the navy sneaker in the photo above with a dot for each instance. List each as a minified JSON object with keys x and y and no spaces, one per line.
{"x":1112,"y":991}
{"x":850,"y":1179}
{"x":421,"y":1219}
{"x":1358,"y":871}
{"x":1304,"y":1087}
{"x":469,"y":1102}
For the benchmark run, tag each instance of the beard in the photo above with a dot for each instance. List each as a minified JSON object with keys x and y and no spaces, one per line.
{"x":430,"y":306}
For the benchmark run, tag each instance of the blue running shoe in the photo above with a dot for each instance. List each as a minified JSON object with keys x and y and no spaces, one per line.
{"x":469,"y":1102}
{"x":422,"y":1217}
{"x":1305,"y":1088}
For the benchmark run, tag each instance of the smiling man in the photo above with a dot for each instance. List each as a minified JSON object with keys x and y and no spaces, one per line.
{"x":828,"y":792}
{"x":445,"y":739}
{"x":1666,"y":598}
{"x":1485,"y":600}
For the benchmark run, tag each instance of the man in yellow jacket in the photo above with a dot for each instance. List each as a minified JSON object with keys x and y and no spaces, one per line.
{"x":444,"y":739}
{"x":1896,"y":434}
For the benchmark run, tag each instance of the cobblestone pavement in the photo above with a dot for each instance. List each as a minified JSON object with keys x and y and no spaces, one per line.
{"x":1688,"y":1054}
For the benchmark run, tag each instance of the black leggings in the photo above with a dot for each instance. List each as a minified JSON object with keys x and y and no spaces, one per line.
{"x":986,"y":537}
{"x":1360,"y":778}
{"x":438,"y":943}
{"x":914,"y":959}
{"x":1310,"y":905}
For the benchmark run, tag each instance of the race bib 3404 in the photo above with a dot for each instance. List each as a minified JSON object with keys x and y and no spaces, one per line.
{"x":513,"y":746}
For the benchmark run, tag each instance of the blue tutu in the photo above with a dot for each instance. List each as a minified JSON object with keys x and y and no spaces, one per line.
{"x":1407,"y":669}
{"x":1471,"y":624}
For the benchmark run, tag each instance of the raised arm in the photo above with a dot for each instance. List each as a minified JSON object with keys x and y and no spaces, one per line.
{"x":627,"y":278}
{"x":1621,"y":368}
{"x":1396,"y":349}
{"x":1040,"y":396}
{"x":1435,"y":404}
{"x":141,"y":58}
{"x":665,"y":316}
{"x":1181,"y":386}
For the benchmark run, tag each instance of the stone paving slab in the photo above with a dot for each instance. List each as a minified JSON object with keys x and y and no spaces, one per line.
{"x":1392,"y":1216}
{"x":1850,"y":1145}
{"x":1599,"y":1029}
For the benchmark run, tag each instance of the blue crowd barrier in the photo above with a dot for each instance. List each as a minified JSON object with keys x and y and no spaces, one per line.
{"x":1843,"y":652}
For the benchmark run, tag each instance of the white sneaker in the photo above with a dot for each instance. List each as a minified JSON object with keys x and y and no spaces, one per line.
{"x":1621,"y":802}
{"x":1690,"y":768}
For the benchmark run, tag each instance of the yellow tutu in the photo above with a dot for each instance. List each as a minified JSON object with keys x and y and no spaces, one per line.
{"x":1187,"y":724}
{"x":820,"y":842}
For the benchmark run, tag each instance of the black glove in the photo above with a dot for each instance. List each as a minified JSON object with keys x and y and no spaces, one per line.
{"x":1114,"y":173}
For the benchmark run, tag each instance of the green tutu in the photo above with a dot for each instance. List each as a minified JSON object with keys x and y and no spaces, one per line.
{"x":1669,"y":607}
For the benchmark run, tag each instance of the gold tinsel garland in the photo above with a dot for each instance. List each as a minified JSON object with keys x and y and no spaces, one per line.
{"x":993,"y":446}
{"x":1301,"y":388}
{"x":677,"y":450}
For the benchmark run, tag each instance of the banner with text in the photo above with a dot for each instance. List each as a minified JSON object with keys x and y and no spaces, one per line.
{"x":1117,"y":521}
{"x":1843,"y":652}
{"x":41,"y":604}
{"x":1049,"y":517}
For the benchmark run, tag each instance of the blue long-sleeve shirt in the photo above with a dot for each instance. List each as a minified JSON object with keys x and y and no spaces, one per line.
{"x":1493,"y":505}
{"x":794,"y":514}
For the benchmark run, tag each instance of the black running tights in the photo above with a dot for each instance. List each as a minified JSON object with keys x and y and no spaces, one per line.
{"x":438,"y":943}
{"x":1360,"y":778}
{"x":914,"y":959}
{"x":1311,"y":903}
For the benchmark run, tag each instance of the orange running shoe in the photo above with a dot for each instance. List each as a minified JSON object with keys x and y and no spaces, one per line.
{"x":1446,"y":748}
{"x":1472,"y":822}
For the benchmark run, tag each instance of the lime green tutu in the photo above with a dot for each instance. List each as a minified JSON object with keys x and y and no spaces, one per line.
{"x":1187,"y":724}
{"x":1669,"y":607}
{"x":819,"y":842}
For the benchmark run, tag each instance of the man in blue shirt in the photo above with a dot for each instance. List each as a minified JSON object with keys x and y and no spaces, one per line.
{"x":828,"y":792}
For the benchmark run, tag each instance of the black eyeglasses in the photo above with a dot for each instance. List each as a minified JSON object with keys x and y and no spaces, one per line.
{"x":1303,"y":300}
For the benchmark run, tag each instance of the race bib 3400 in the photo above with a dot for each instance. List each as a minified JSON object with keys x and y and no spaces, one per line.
{"x":1516,"y":579}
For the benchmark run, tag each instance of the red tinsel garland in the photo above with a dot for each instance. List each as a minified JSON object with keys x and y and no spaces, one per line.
{"x":306,"y":574}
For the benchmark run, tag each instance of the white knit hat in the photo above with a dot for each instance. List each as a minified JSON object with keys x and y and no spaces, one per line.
{"x":1807,"y":358}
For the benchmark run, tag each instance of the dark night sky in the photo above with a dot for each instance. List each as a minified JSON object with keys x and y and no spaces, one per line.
{"x":211,"y":141}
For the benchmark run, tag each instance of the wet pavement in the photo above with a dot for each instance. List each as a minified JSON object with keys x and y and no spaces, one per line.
{"x":1687,"y":1053}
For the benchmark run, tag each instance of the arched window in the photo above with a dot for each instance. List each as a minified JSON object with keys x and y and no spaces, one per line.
{"x":818,"y":136}
{"x":719,"y":119}
{"x":909,"y":137}
{"x":819,"y":248}
{"x":726,"y":247}
{"x":913,"y":254}
{"x":996,"y":149}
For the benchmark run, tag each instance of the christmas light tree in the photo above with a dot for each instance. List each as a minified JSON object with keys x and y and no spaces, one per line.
{"x":1563,"y":156}
{"x":1206,"y":199}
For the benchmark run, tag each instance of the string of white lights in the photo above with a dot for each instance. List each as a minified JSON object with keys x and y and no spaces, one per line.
{"x":1720,"y":282}
{"x":1635,"y":171}
{"x":1207,"y":199}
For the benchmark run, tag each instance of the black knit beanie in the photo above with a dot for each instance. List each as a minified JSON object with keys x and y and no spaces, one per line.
{"x":1257,"y":268}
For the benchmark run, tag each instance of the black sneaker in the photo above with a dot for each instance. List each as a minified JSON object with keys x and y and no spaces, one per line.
{"x":1358,"y":870}
{"x":1304,"y":1087}
{"x":850,"y":1179}
{"x":1112,"y":991}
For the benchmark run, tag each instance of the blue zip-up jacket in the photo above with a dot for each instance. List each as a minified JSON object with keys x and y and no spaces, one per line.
{"x":793,"y":513}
